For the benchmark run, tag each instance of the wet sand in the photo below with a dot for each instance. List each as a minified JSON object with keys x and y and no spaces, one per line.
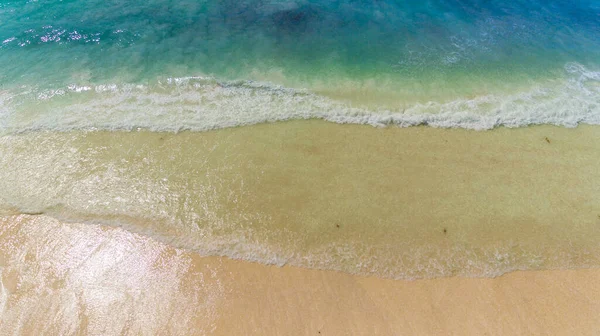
{"x":520,"y":199}
{"x":83,"y":279}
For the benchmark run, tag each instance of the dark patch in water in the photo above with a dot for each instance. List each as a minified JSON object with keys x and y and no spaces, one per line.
{"x":297,"y":20}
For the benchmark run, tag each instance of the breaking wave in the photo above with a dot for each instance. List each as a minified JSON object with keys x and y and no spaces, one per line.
{"x":204,"y":103}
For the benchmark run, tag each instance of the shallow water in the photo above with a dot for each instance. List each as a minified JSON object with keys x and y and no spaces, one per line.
{"x":70,"y":279}
{"x":399,"y":203}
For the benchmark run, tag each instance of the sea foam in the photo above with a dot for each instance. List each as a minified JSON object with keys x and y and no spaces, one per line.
{"x":204,"y":103}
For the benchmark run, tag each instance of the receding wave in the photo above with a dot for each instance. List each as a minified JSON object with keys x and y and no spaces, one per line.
{"x":402,"y":205}
{"x":204,"y":103}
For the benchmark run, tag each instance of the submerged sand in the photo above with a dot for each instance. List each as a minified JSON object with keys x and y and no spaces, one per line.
{"x":77,"y":279}
{"x":417,"y":202}
{"x":398,"y":203}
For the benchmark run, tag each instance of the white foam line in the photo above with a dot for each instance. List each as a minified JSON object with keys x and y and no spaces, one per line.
{"x":202,"y":103}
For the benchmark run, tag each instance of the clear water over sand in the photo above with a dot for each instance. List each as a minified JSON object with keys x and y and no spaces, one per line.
{"x":400,"y":203}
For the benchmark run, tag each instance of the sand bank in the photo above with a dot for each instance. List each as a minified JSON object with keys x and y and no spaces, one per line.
{"x":90,"y":280}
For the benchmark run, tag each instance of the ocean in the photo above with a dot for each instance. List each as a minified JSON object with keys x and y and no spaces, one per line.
{"x":180,"y":121}
{"x":200,"y":65}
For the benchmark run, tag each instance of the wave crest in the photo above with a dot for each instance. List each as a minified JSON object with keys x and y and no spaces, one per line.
{"x":204,"y":103}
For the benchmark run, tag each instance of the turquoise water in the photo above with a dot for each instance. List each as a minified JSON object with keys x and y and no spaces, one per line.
{"x":198,"y":65}
{"x":310,"y":194}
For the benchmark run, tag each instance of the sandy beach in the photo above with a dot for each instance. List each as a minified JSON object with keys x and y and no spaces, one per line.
{"x":294,"y":167}
{"x":79,"y":279}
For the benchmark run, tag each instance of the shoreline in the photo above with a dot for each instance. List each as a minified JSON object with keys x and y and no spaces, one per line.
{"x":421,"y":200}
{"x":397,"y":203}
{"x":84,"y":279}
